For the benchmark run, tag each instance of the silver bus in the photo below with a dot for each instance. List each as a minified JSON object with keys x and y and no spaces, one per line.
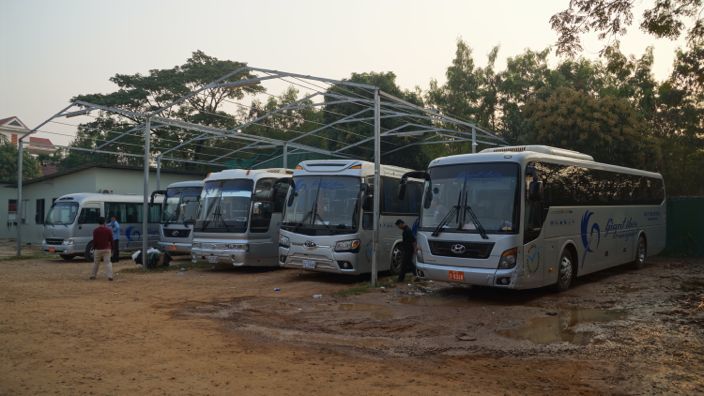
{"x":239,"y":217}
{"x":328,"y":219}
{"x":531,"y":216}
{"x":178,"y":216}
{"x":68,"y":230}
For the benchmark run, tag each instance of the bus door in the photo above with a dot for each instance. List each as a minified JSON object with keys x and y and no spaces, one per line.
{"x":88,"y":220}
{"x":535,"y":248}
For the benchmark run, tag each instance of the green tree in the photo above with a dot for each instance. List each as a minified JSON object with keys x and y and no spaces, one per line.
{"x":159,"y":88}
{"x":611,"y":18}
{"x":31,"y":168}
{"x":608,"y":128}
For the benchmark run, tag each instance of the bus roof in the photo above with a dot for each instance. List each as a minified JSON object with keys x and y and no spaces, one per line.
{"x":525,"y":154}
{"x":83,"y":197}
{"x":253,"y":174}
{"x":357,"y":168}
{"x":188,"y":183}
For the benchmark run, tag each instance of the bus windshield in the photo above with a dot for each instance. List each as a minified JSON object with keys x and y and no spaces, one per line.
{"x":323,"y":205}
{"x":225,"y":206}
{"x":489,"y":190}
{"x":177,"y":202}
{"x":62,"y":213}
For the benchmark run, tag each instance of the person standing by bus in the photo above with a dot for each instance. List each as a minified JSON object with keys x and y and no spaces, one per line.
{"x":115,"y":228}
{"x":102,"y":245}
{"x":408,"y":247}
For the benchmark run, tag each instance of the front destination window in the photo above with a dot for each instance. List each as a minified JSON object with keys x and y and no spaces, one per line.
{"x":225,"y":206}
{"x":62,"y":213}
{"x":472,"y":198}
{"x":323,"y":205}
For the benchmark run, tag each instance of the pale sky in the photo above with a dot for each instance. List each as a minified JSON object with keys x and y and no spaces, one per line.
{"x":53,"y":50}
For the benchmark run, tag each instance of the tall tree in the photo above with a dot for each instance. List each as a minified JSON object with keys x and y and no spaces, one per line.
{"x":611,"y":18}
{"x":8,"y":163}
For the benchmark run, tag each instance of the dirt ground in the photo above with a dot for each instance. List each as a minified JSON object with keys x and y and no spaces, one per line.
{"x":273,"y":331}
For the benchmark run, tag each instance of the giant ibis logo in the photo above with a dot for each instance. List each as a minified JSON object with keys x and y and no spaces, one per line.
{"x":588,"y":234}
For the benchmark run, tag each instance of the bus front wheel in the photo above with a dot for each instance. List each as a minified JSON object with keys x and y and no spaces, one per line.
{"x":396,"y":260}
{"x":641,"y":253}
{"x":89,"y":252}
{"x":565,"y":271}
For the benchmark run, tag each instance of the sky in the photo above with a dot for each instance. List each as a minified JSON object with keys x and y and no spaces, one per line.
{"x":54,"y":50}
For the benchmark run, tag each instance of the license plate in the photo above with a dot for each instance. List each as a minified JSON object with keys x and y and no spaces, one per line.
{"x":213,"y":259}
{"x":455,"y":275}
{"x":52,"y":250}
{"x":309,"y":264}
{"x":171,"y":247}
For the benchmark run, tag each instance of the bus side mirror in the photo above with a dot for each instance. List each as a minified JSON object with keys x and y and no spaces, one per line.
{"x":402,"y":190}
{"x":291,"y":193}
{"x":155,"y":193}
{"x":535,"y":191}
{"x":428,"y":197}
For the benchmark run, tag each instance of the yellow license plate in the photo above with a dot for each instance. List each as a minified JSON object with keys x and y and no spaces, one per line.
{"x":455,"y":275}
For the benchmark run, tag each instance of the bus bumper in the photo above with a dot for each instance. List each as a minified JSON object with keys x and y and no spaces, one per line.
{"x":174,"y":247}
{"x":239,"y":253}
{"x":333,"y":262}
{"x":504,"y":278}
{"x":61,"y":249}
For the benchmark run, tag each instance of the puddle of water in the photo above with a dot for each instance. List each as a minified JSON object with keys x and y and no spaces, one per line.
{"x":560,"y":328}
{"x":375,"y":311}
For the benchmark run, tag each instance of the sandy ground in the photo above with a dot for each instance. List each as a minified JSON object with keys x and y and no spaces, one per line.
{"x":203,"y":331}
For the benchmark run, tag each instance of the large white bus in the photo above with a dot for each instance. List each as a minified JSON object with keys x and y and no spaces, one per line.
{"x":531,"y":216}
{"x":328,"y":219}
{"x":69,"y":226}
{"x":178,"y":216}
{"x":239,"y":217}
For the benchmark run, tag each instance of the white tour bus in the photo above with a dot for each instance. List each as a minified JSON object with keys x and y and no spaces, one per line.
{"x":178,"y":214}
{"x":328,"y":218}
{"x":239,"y":217}
{"x":69,"y":226}
{"x":530,"y":216}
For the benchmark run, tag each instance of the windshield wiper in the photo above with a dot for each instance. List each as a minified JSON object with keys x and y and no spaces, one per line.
{"x":210,"y":210}
{"x":322,"y":221}
{"x":448,"y":216}
{"x":474,"y":218}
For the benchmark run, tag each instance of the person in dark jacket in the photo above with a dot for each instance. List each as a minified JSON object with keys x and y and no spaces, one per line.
{"x":408,"y":247}
{"x":102,"y":245}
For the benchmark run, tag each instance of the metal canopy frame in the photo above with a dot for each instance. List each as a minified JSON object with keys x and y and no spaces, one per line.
{"x":371,"y":105}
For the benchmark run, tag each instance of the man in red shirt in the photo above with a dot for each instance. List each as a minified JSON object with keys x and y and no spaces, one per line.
{"x":102,"y":245}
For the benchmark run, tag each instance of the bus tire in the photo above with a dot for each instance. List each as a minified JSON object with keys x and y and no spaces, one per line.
{"x":641,"y":253}
{"x":396,"y":259}
{"x":67,"y":257}
{"x":88,"y":254}
{"x":566,"y":271}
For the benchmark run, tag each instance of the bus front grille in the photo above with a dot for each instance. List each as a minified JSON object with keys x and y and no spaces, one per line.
{"x":476,"y":250}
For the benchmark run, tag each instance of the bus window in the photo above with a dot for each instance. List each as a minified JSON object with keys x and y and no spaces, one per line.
{"x":154,"y":213}
{"x":262,"y":206}
{"x":89,"y":216}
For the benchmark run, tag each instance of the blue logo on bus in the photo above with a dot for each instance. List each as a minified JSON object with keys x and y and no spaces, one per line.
{"x":588,"y":234}
{"x":132,"y":234}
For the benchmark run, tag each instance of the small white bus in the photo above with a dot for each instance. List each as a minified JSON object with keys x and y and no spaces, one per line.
{"x":69,"y":226}
{"x":328,"y":219}
{"x":530,"y":216}
{"x":178,"y":215}
{"x":239,"y":217}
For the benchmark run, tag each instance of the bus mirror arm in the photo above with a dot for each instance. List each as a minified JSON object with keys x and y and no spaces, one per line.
{"x":404,"y":181}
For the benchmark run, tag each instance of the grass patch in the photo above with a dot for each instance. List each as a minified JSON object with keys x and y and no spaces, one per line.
{"x":28,"y":257}
{"x":186,"y":265}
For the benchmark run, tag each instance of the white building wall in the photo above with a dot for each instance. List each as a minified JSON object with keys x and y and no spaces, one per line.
{"x":118,"y":181}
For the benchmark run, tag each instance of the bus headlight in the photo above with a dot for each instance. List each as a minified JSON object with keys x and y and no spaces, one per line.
{"x":238,"y":246}
{"x":508,"y":258}
{"x":284,"y":241}
{"x":351,"y":245}
{"x":68,"y":242}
